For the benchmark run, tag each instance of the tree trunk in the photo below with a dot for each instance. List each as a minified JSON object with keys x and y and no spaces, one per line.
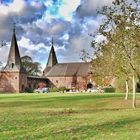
{"x":134,"y":91}
{"x":126,"y":85}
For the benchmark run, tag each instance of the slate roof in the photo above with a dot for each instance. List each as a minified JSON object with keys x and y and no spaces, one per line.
{"x":14,"y":61}
{"x":52,"y":60}
{"x":69,"y":69}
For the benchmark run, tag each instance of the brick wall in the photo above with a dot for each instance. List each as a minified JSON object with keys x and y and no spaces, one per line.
{"x":80,"y":83}
{"x":12,"y":81}
{"x":22,"y":82}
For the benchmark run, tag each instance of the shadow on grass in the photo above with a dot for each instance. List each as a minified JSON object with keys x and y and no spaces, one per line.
{"x":97,"y":129}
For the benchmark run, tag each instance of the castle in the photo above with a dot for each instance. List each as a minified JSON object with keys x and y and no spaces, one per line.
{"x":14,"y":78}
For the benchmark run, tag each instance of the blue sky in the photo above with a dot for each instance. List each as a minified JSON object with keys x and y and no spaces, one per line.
{"x":68,"y":21}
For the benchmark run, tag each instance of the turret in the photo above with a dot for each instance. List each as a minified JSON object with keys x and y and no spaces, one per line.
{"x":14,"y":61}
{"x":52,"y":60}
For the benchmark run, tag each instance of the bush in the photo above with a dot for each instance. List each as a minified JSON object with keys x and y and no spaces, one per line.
{"x":60,"y":89}
{"x":109,"y":89}
{"x":29,"y":90}
{"x":54,"y":89}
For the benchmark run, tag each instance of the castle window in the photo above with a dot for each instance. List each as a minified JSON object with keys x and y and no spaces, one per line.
{"x":12,"y":65}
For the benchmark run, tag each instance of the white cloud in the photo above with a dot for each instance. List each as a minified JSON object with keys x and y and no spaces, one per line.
{"x":26,"y":43}
{"x":3,"y":10}
{"x":67,"y":8}
{"x":90,"y":7}
{"x":61,"y":9}
{"x":4,"y":53}
{"x":65,"y":36}
{"x":16,"y":7}
{"x":48,"y":3}
{"x":38,"y":52}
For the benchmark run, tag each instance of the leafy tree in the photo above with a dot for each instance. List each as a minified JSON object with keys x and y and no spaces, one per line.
{"x":32,"y":68}
{"x":118,"y":55}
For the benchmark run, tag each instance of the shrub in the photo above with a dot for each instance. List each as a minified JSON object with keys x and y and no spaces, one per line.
{"x":109,"y":89}
{"x":62,"y":89}
{"x":54,"y":89}
{"x":29,"y":90}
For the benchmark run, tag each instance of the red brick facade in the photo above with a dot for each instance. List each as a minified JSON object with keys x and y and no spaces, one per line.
{"x":12,"y":81}
{"x":74,"y":75}
{"x":78,"y":83}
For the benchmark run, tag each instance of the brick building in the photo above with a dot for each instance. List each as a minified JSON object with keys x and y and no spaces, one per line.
{"x":13,"y":78}
{"x":69,"y":75}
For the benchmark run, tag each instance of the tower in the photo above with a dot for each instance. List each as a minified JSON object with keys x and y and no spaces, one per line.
{"x":52,"y":59}
{"x":14,"y":61}
{"x":14,"y":76}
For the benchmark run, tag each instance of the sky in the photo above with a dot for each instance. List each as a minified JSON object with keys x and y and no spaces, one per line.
{"x":69,"y":22}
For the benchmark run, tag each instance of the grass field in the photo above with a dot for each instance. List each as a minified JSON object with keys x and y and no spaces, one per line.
{"x":68,"y":117}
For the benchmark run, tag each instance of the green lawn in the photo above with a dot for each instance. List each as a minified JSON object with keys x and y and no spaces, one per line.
{"x":68,"y":117}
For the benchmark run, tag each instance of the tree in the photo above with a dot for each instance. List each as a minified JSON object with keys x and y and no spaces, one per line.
{"x":32,"y":68}
{"x":121,"y":47}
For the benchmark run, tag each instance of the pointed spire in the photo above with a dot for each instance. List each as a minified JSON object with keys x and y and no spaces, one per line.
{"x":14,"y":27}
{"x":14,"y":61}
{"x":52,"y":60}
{"x":52,"y":41}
